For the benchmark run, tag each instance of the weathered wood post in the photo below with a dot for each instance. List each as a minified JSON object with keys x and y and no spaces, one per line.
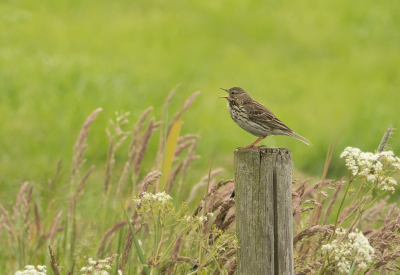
{"x":264,"y":221}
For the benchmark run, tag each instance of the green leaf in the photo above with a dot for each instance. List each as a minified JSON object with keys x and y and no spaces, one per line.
{"x":137,"y":246}
{"x":352,"y":269}
{"x":169,"y":154}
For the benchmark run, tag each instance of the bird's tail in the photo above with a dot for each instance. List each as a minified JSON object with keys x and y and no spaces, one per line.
{"x":296,"y":136}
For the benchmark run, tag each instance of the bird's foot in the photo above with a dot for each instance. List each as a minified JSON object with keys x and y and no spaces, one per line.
{"x":253,"y":145}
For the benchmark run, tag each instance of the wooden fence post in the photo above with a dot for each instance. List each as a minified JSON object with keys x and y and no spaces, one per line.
{"x":264,"y":221}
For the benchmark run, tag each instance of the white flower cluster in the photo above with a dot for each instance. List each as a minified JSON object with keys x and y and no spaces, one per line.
{"x":356,"y":248}
{"x":198,"y":218}
{"x":372,"y":167}
{"x":340,"y":231}
{"x":161,"y":198}
{"x":100,"y":267}
{"x":31,"y":270}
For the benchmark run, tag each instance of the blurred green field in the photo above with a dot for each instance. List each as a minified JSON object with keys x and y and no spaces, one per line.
{"x":319,"y":66}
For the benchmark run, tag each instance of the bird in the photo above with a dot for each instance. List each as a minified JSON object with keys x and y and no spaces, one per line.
{"x":255,"y":118}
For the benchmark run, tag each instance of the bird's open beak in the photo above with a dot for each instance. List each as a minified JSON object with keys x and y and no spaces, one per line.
{"x":225,"y":91}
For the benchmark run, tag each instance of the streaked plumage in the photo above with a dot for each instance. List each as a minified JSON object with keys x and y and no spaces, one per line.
{"x":255,"y":118}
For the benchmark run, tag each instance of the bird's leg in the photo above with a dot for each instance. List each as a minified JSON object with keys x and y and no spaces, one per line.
{"x":253,"y":144}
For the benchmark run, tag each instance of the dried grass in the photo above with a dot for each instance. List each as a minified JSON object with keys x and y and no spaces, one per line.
{"x":203,"y":182}
{"x":137,"y":148}
{"x":231,"y":266}
{"x":37,"y":221}
{"x":53,"y":262}
{"x":331,"y":203}
{"x":311,"y":231}
{"x":80,"y":145}
{"x":83,"y":180}
{"x":225,"y":207}
{"x":144,"y":141}
{"x":210,"y":196}
{"x":54,"y":228}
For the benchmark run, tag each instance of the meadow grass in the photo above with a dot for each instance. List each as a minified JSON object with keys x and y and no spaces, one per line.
{"x":78,"y":219}
{"x":318,"y":66}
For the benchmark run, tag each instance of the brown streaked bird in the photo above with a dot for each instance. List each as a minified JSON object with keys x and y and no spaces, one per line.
{"x":255,"y":118}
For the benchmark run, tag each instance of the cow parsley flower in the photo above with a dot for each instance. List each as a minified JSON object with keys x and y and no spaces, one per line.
{"x":31,"y":270}
{"x":154,"y":204}
{"x":161,"y":198}
{"x":99,"y":267}
{"x":374,"y":168}
{"x":340,"y":231}
{"x":355,"y":247}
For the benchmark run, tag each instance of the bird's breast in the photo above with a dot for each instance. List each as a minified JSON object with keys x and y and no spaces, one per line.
{"x":233,"y":111}
{"x":240,"y":116}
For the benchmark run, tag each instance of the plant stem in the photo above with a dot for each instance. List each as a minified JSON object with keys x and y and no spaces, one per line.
{"x":169,"y":247}
{"x":137,"y":246}
{"x":341,"y":204}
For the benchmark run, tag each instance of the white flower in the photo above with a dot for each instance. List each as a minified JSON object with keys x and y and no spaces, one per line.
{"x":42,"y":268}
{"x":355,"y":248}
{"x":161,"y":198}
{"x":119,"y":272}
{"x":202,"y":219}
{"x":371,"y":178}
{"x":340,"y":231}
{"x":362,"y":265}
{"x":31,"y":270}
{"x":372,"y":167}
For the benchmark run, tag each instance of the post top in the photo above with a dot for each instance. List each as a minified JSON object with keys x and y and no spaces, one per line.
{"x":267,"y":150}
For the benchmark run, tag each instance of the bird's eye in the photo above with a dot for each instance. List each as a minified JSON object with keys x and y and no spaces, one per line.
{"x":233,"y":93}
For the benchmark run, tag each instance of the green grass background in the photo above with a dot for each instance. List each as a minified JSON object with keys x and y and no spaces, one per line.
{"x":320,"y":66}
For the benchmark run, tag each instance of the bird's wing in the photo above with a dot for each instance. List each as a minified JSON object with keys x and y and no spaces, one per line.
{"x":259,"y":113}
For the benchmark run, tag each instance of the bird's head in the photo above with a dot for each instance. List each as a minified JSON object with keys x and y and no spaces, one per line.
{"x":236,"y":94}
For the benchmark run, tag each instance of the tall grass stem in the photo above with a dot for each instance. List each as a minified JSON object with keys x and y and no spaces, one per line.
{"x":137,"y":245}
